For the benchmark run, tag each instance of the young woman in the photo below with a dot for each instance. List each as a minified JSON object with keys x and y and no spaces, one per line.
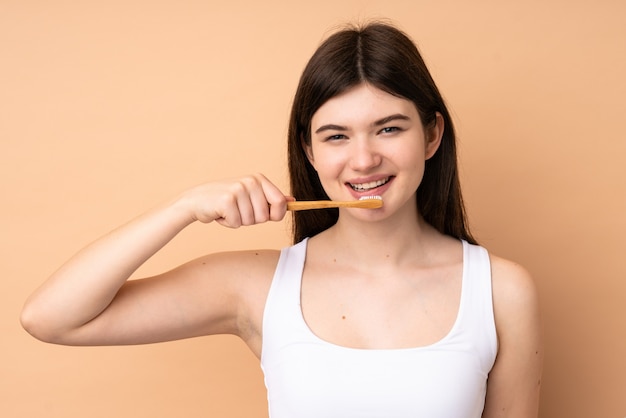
{"x":389,"y":312}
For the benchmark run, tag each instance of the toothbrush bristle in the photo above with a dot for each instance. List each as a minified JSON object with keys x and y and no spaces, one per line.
{"x":371,"y":202}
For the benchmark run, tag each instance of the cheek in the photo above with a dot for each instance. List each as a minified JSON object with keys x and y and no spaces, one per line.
{"x":327,"y":171}
{"x":326,"y":163}
{"x":410,"y":156}
{"x":412,"y":162}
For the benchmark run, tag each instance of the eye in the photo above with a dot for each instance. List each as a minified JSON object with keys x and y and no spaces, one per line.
{"x":335,"y":137}
{"x":389,"y":130}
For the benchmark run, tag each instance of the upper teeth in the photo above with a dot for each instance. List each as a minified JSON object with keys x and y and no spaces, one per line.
{"x":367,"y":186}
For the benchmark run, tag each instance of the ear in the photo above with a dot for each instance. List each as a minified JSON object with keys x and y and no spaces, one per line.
{"x":434,"y":134}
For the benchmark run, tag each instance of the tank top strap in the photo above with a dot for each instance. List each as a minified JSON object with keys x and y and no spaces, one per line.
{"x":476,"y":310}
{"x":282,"y":314}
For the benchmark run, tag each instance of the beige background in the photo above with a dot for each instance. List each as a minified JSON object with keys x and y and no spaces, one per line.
{"x":108,"y":107}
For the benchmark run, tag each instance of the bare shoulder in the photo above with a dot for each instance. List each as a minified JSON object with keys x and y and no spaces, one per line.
{"x":243,"y":264}
{"x":515,"y":379}
{"x":513,"y":287}
{"x":250,"y":272}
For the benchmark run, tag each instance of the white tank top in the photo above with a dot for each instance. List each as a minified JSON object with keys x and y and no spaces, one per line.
{"x":307,"y":377}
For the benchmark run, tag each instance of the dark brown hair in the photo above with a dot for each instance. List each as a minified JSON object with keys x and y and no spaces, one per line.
{"x":385,"y":57}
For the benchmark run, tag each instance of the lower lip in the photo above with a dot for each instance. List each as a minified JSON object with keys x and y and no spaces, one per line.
{"x":377,"y":191}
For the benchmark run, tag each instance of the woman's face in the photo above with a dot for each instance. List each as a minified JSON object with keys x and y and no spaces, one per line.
{"x":366,"y":142}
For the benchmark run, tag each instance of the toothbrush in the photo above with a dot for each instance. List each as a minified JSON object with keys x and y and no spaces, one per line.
{"x":365,"y":202}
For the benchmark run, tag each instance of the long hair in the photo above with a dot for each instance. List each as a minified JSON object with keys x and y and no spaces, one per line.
{"x":385,"y":57}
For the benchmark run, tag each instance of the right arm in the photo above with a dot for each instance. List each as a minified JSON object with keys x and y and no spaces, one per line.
{"x":89,"y":300}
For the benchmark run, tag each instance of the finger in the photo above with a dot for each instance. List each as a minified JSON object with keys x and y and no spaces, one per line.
{"x":277,"y":201}
{"x":244,"y":189}
{"x":261,"y":192}
{"x":259,"y":204}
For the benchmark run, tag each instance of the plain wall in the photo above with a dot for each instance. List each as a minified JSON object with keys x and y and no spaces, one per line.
{"x":107,"y":108}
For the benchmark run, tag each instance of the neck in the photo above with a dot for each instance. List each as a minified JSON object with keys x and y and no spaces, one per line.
{"x":391,"y":241}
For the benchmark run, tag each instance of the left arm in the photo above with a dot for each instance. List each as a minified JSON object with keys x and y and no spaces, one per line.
{"x":514,"y":382}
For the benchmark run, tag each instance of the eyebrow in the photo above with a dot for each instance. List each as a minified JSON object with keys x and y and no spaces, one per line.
{"x":379,"y":122}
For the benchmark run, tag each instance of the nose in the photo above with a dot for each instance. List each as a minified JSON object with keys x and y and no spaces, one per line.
{"x":364,"y":155}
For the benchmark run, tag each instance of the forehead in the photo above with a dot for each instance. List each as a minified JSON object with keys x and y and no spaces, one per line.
{"x":363,"y":103}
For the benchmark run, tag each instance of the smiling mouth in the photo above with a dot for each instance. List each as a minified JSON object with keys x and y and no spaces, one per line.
{"x":363,"y":187}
